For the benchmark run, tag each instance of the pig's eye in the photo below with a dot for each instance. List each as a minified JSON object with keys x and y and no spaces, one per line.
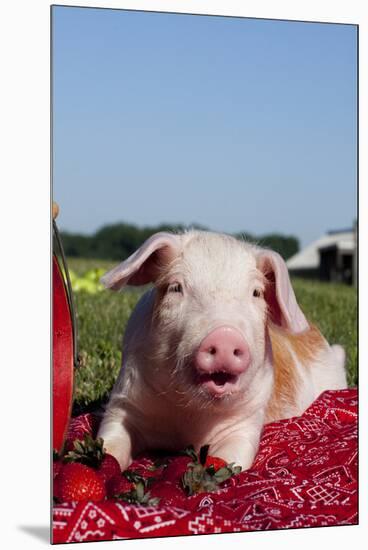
{"x":257,"y":293}
{"x":175,"y":287}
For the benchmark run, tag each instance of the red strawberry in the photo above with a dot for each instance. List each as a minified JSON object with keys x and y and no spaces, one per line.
{"x":118,"y":485}
{"x":168,"y":493}
{"x":56,"y":488}
{"x":56,"y":466}
{"x":109,"y":468}
{"x":175,"y":470}
{"x":145,"y":467}
{"x":215,"y":461}
{"x":90,"y":452}
{"x":79,"y":482}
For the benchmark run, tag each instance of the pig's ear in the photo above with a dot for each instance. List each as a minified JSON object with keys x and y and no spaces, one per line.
{"x":143,"y":266}
{"x":283,"y":308}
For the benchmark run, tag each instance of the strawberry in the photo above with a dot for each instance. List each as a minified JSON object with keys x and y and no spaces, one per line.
{"x":168,"y":493}
{"x":131,"y":487}
{"x":87,"y":451}
{"x":117,"y":485}
{"x":56,"y":489}
{"x":211,"y":463}
{"x":144,"y":471}
{"x":90,"y":452}
{"x":175,"y":469}
{"x":198,"y":479}
{"x":206,"y":474}
{"x":79,"y":482}
{"x":56,"y":463}
{"x":138,"y":495}
{"x":109,"y":468}
{"x":56,"y":467}
{"x":214,"y":462}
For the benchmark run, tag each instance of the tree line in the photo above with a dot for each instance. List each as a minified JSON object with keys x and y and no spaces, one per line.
{"x":120,"y":240}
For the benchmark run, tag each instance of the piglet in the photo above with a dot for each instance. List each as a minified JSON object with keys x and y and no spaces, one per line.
{"x":214,"y":350}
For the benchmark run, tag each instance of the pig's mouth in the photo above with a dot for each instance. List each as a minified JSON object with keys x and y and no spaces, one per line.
{"x":217,"y":383}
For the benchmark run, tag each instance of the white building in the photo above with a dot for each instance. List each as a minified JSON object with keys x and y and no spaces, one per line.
{"x":332,"y":257}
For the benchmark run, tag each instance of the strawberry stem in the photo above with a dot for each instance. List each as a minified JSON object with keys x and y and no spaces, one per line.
{"x":87,"y":451}
{"x":203,"y":452}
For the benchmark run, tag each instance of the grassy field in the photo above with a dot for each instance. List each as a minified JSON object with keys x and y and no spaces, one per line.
{"x":102,"y":318}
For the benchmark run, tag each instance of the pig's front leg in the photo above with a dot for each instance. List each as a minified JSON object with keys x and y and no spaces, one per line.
{"x":240,"y":447}
{"x":117,"y":438}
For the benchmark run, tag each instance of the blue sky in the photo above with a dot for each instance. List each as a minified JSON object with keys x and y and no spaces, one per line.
{"x":236,"y":124}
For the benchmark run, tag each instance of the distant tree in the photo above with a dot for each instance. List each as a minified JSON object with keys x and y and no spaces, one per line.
{"x":76,"y":245}
{"x":118,"y":241}
{"x":287,"y":246}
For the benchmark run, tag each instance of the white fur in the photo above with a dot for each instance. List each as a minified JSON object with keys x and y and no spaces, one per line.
{"x":154,"y":403}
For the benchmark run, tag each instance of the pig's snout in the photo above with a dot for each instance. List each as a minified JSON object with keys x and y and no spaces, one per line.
{"x":222,"y":350}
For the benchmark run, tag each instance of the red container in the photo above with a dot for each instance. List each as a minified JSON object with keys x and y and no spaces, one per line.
{"x":63,"y":357}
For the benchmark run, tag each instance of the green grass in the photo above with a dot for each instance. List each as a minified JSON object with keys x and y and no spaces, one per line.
{"x":333,"y":308}
{"x":102,"y":318}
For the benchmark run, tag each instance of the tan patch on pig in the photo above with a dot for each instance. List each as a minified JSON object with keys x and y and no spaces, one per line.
{"x":305,"y":346}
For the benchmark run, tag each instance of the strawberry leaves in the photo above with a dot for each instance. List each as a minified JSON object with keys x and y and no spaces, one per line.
{"x":198,"y":479}
{"x":88,"y":451}
{"x":202,"y":476}
{"x":138,"y":494}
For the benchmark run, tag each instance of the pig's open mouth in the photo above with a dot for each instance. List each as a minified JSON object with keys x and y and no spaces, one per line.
{"x":219,"y":378}
{"x":217,"y":383}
